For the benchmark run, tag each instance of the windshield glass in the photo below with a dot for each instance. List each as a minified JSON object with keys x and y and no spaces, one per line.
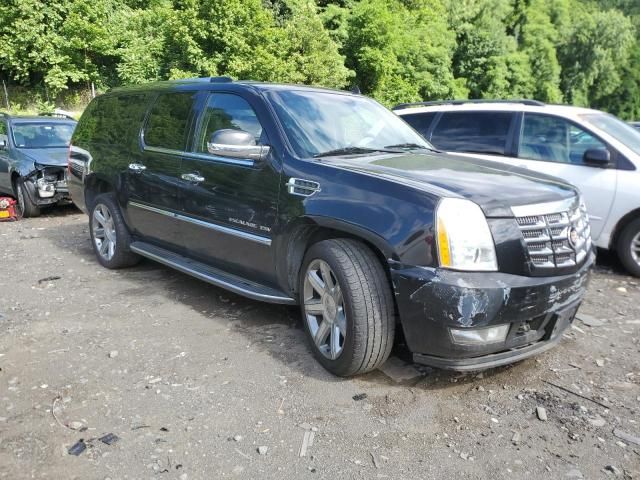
{"x":621,"y":131}
{"x":42,"y":135}
{"x":319,"y":122}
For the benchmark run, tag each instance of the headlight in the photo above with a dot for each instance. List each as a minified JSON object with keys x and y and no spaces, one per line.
{"x":464,"y":238}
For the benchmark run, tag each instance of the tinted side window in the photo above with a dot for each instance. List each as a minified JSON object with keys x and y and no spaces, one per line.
{"x":554,"y":139}
{"x":477,"y":132}
{"x":168,"y":122}
{"x":420,"y":121}
{"x":228,"y":111}
{"x":112,"y":120}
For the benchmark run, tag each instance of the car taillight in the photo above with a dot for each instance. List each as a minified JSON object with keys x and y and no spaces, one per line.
{"x":69,"y":159}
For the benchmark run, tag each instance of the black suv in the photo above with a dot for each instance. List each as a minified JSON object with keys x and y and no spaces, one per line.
{"x":33,"y":157}
{"x":299,"y":195}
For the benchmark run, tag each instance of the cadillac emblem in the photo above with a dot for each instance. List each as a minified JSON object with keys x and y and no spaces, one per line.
{"x":573,"y":237}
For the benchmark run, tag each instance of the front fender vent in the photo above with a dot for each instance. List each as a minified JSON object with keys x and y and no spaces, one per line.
{"x":303,"y":188}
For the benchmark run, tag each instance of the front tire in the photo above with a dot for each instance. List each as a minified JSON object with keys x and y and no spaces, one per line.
{"x":628,"y":247}
{"x":347,"y":307}
{"x":25,"y":206}
{"x":109,"y":234}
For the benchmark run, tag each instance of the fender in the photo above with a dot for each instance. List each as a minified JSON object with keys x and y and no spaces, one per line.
{"x":291,"y":243}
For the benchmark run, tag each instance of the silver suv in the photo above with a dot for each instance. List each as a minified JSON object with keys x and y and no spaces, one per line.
{"x":593,"y":150}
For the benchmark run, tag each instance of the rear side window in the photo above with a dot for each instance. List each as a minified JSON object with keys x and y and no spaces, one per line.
{"x":169,"y":120}
{"x":3,"y":130}
{"x":474,"y":132}
{"x":420,"y":122}
{"x":112,"y":120}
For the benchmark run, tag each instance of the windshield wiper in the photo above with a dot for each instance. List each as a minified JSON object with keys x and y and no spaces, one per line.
{"x":352,"y":151}
{"x":410,"y":145}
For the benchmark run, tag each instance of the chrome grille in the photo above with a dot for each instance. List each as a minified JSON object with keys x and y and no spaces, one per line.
{"x":558,"y":236}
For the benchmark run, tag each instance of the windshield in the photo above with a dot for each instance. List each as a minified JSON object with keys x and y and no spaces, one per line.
{"x":621,"y":131}
{"x":42,"y":135}
{"x":322,"y":122}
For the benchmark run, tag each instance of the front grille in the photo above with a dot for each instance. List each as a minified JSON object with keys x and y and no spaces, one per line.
{"x":555,"y":239}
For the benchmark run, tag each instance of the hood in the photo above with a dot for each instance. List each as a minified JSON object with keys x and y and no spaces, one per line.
{"x":47,"y":157}
{"x":494,"y":186}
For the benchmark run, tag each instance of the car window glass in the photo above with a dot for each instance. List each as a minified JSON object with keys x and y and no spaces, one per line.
{"x":316,"y":122}
{"x":42,"y":135}
{"x":3,"y":130}
{"x":168,"y":122}
{"x":420,"y":121}
{"x":554,"y":139}
{"x":476,"y":132}
{"x":112,"y":119}
{"x":228,"y":111}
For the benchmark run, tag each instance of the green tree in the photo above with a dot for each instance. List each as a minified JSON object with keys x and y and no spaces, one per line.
{"x":399,"y":51}
{"x":595,"y":55}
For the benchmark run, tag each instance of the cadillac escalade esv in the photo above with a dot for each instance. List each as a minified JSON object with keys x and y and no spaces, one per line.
{"x":323,"y":198}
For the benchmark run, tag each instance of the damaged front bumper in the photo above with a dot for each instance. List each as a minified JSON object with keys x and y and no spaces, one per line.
{"x":529,"y":313}
{"x":47,"y":185}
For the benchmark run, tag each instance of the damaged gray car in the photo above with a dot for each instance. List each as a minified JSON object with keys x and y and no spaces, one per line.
{"x":33,"y":160}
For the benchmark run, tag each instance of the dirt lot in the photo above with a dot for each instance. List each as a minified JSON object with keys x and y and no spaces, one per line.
{"x":194,"y":380}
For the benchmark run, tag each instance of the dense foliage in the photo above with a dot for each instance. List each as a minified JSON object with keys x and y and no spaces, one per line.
{"x":585,"y":52}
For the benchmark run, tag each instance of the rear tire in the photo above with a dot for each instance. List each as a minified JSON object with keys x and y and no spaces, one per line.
{"x":25,"y":206}
{"x":347,"y":307}
{"x":628,"y":247}
{"x":110,"y":237}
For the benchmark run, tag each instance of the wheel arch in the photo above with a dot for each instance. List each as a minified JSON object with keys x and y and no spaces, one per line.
{"x":94,"y":186}
{"x":311,"y":230}
{"x":620,"y":226}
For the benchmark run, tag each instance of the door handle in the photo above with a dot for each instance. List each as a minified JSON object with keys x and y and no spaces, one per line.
{"x":137,"y":167}
{"x":192,"y":177}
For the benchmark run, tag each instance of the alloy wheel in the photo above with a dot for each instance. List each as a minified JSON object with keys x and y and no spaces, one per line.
{"x":324,"y":309}
{"x":104,"y":232}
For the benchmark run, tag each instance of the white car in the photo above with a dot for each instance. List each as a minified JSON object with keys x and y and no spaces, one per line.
{"x":593,"y":150}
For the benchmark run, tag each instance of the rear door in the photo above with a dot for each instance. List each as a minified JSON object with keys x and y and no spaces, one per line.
{"x":153,"y":177}
{"x":231,"y":203}
{"x":555,"y":146}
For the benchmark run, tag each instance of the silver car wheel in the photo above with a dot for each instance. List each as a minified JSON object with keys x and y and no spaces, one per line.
{"x":324,"y":309}
{"x":104,"y":232}
{"x":635,"y":248}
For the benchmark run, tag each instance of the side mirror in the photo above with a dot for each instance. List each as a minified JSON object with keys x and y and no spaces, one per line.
{"x":3,"y":144}
{"x":599,"y":157}
{"x":236,"y":144}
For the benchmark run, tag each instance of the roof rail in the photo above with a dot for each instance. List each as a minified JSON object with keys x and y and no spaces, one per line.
{"x":204,"y":80}
{"x":523,"y":101}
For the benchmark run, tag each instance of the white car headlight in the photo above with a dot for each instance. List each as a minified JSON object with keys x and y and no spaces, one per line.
{"x":464,"y":238}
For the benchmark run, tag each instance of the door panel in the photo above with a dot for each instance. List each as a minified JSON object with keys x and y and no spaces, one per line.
{"x":153,"y":176}
{"x":233,"y":206}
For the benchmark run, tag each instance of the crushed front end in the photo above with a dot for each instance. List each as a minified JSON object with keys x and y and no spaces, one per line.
{"x":47,"y":185}
{"x":471,"y":320}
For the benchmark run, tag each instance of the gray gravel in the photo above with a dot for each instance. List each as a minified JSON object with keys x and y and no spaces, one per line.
{"x":198,"y":383}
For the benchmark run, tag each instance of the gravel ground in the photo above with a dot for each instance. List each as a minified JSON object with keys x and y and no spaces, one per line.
{"x":198,"y":383}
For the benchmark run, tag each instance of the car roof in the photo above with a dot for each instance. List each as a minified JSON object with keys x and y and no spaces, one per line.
{"x":37,"y":118}
{"x":205,"y":82}
{"x":497,"y":106}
